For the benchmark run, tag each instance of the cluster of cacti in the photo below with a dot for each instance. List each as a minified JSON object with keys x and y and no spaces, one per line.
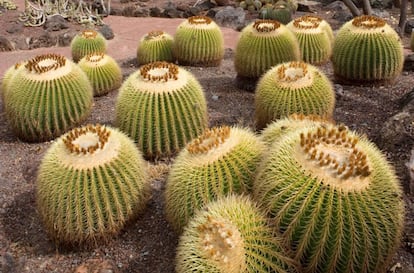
{"x":221,"y":161}
{"x":231,"y":235}
{"x":263,"y":44}
{"x":103,"y":72}
{"x":46,"y":97}
{"x":155,"y":46}
{"x":259,"y":5}
{"x":293,"y":87}
{"x":87,"y":42}
{"x":162,"y":107}
{"x":367,"y":49}
{"x":8,"y":76}
{"x":315,"y":44}
{"x":334,"y":198}
{"x":91,"y":182}
{"x":198,"y":41}
{"x":280,"y":11}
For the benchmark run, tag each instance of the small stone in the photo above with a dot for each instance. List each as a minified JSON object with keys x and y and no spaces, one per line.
{"x":215,"y":97}
{"x":107,"y":32}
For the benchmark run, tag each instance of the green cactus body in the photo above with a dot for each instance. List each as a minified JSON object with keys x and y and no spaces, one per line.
{"x":322,"y":24}
{"x":198,"y":41}
{"x":221,"y":161}
{"x":162,"y":107}
{"x":155,"y":46}
{"x":48,"y":96}
{"x":263,"y":44}
{"x":367,"y":49}
{"x":103,"y":72}
{"x":335,"y":199}
{"x":293,"y":87}
{"x":280,"y":12}
{"x":8,"y":76}
{"x":231,"y":235}
{"x":91,"y":182}
{"x":315,"y":45}
{"x":87,"y":42}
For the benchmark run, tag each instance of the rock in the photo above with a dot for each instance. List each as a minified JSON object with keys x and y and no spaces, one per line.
{"x":231,"y":17}
{"x":5,"y":44}
{"x":171,"y":12}
{"x":308,"y":6}
{"x":409,"y":26}
{"x":381,"y":13}
{"x":44,"y":40}
{"x":155,"y":12}
{"x":107,"y":32}
{"x":205,"y":5}
{"x":55,"y":23}
{"x":141,"y":12}
{"x":14,"y":27}
{"x":222,"y":2}
{"x":381,"y":4}
{"x":409,"y":62}
{"x":66,"y":38}
{"x":340,"y":10}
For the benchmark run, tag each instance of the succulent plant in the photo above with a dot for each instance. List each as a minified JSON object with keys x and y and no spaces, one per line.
{"x":48,"y":96}
{"x":162,"y":107}
{"x":7,"y":77}
{"x":263,"y":44}
{"x":103,"y":72}
{"x":315,"y":44}
{"x":367,"y":49}
{"x":334,"y":198}
{"x":221,"y":161}
{"x":198,"y":41}
{"x":87,"y":42}
{"x":257,"y":5}
{"x":231,"y":235}
{"x":323,"y":24}
{"x":293,"y":87}
{"x":154,"y":46}
{"x":91,"y":182}
{"x":280,"y":11}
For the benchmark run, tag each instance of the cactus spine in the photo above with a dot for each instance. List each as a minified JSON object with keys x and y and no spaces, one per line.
{"x":155,"y":46}
{"x":87,"y":42}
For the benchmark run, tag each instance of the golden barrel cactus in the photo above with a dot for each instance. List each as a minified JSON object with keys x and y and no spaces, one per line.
{"x":155,"y":46}
{"x":86,"y":42}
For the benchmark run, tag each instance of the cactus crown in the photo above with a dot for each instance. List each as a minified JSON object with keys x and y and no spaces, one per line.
{"x":294,"y":75}
{"x":221,"y":242}
{"x":88,"y":34}
{"x":368,"y":22}
{"x":44,"y":63}
{"x":159,"y":72}
{"x":306,"y":22}
{"x":155,"y":34}
{"x":95,"y":57}
{"x":333,"y":156}
{"x":211,"y":138}
{"x":199,"y":20}
{"x":266,"y":26}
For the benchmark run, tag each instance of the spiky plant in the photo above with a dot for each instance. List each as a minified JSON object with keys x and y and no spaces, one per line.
{"x":86,"y":42}
{"x":162,"y":107}
{"x":48,"y":96}
{"x":263,"y":44}
{"x":91,"y":182}
{"x":154,"y":46}
{"x":223,"y":160}
{"x":315,"y":44}
{"x":335,"y":199}
{"x":367,"y":49}
{"x":103,"y":72}
{"x":198,"y":41}
{"x":280,"y":11}
{"x":322,"y":24}
{"x":293,"y":87}
{"x":231,"y":235}
{"x":8,"y":76}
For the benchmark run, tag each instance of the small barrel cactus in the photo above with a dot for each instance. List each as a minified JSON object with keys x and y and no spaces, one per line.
{"x":280,"y":11}
{"x":103,"y":72}
{"x":87,"y":42}
{"x":223,"y":160}
{"x":293,"y":87}
{"x":334,"y":198}
{"x":231,"y":235}
{"x":162,"y":107}
{"x":367,"y":49}
{"x":154,"y":46}
{"x":48,"y":96}
{"x":8,"y":76}
{"x":91,"y":182}
{"x":198,"y":41}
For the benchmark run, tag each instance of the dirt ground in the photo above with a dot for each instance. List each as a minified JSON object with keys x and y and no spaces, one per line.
{"x":148,"y":244}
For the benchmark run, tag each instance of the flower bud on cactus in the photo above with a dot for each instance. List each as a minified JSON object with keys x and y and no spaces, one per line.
{"x":103,"y":72}
{"x":334,"y":198}
{"x":293,"y":87}
{"x":162,"y":107}
{"x":231,"y":235}
{"x":48,"y":96}
{"x":367,"y":49}
{"x":87,"y":42}
{"x":223,"y":160}
{"x":155,"y":46}
{"x":91,"y":182}
{"x":198,"y":41}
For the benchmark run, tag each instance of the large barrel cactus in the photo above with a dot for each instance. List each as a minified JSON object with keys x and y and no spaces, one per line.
{"x":223,"y":160}
{"x":8,"y":76}
{"x":48,"y":96}
{"x":162,"y":107}
{"x":91,"y":182}
{"x":88,"y":41}
{"x":335,"y":199}
{"x":155,"y":46}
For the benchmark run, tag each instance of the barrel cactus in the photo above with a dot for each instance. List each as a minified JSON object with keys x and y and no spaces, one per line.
{"x":367,"y":50}
{"x":334,"y":198}
{"x":154,"y":46}
{"x":223,"y":160}
{"x":293,"y":87}
{"x":198,"y":41}
{"x":280,"y":11}
{"x":162,"y":107}
{"x":48,"y":96}
{"x":7,"y":77}
{"x":231,"y":235}
{"x":86,"y":42}
{"x":103,"y":72}
{"x":91,"y":182}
